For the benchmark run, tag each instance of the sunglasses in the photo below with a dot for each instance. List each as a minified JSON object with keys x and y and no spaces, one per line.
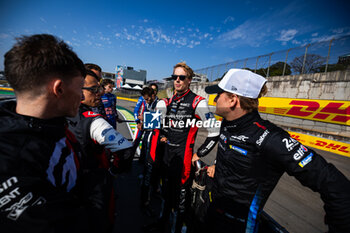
{"x":218,"y":96}
{"x":94,"y":89}
{"x":181,"y":77}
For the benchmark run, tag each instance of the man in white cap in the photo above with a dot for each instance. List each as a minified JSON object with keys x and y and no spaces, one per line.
{"x":252,"y":156}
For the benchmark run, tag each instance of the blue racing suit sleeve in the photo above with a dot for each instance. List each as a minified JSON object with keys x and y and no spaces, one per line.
{"x":137,"y":108}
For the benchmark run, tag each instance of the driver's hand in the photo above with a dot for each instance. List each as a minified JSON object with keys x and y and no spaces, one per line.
{"x":211,"y":171}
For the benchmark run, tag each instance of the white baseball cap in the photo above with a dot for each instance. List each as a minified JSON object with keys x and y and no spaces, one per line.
{"x":240,"y":82}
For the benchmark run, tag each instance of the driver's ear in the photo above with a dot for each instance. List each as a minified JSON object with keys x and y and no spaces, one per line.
{"x":57,"y":87}
{"x":233,"y":99}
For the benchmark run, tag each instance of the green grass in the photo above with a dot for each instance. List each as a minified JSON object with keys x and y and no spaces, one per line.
{"x":162,"y":94}
{"x":131,"y":96}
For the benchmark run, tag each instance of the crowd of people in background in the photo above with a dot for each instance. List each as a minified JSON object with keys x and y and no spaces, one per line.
{"x":60,"y":150}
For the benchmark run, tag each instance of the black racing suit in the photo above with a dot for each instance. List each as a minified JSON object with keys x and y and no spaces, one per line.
{"x":95,"y":134}
{"x":40,"y":177}
{"x":186,"y":108}
{"x":252,"y":156}
{"x":148,"y":179}
{"x":80,"y":126}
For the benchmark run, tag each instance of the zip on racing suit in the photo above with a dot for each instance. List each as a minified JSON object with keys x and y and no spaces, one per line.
{"x":181,"y":110}
{"x":41,"y":180}
{"x":252,"y":156}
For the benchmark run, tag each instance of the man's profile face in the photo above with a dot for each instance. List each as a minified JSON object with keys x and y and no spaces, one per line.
{"x":153,"y":97}
{"x":222,"y":104}
{"x":148,"y":99}
{"x":179,"y":85}
{"x":108,"y":88}
{"x":72,"y":96}
{"x":92,"y":96}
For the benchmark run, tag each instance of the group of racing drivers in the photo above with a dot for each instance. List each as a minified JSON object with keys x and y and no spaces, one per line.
{"x":58,"y":156}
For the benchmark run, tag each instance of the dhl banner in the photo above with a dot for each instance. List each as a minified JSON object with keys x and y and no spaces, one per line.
{"x":330,"y":111}
{"x":211,"y":100}
{"x":322,"y":144}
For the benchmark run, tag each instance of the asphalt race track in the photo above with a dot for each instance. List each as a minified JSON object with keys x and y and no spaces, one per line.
{"x":295,"y":207}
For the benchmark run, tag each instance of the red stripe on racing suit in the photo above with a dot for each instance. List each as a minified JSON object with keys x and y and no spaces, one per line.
{"x":186,"y":169}
{"x":154,"y":142}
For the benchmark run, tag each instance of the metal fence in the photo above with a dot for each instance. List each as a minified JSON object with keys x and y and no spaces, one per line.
{"x":325,"y":56}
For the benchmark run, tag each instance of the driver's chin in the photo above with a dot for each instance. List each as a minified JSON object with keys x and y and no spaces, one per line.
{"x":217,"y":112}
{"x":179,"y":89}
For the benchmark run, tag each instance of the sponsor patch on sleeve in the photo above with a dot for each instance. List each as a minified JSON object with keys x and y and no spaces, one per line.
{"x":90,"y":114}
{"x":290,"y":143}
{"x":239,"y":150}
{"x":300,"y":153}
{"x":306,"y":160}
{"x":105,"y":131}
{"x":111,"y":137}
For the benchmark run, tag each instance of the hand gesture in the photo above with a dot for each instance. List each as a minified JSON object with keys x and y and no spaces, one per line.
{"x":211,"y":171}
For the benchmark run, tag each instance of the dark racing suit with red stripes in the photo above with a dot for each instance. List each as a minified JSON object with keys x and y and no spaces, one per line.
{"x":180,"y":130}
{"x":154,"y":156}
{"x":96,"y":135}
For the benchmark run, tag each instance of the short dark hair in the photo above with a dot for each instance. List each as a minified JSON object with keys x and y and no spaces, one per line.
{"x":35,"y":59}
{"x":91,"y":66}
{"x":106,"y":81}
{"x":154,"y":84}
{"x":147,"y":91}
{"x":91,"y":73}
